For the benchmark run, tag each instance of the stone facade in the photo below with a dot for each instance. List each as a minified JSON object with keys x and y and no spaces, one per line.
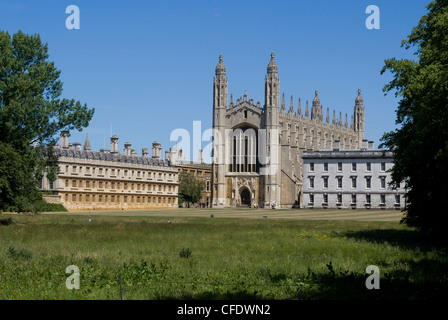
{"x":350,"y":179}
{"x":257,"y":149}
{"x":108,"y":180}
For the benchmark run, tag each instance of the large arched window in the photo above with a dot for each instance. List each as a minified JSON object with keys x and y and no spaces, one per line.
{"x":243,"y":150}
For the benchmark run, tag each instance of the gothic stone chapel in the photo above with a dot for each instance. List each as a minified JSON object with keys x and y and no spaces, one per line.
{"x":257,"y":150}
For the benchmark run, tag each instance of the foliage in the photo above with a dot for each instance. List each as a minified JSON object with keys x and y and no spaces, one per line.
{"x":31,"y":115}
{"x":260,"y":259}
{"x":420,"y":145}
{"x":18,"y":186}
{"x":190,"y":188}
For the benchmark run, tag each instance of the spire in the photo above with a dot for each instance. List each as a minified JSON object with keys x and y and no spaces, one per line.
{"x":87,"y":144}
{"x":299,"y":110}
{"x":340,"y":119}
{"x":334,"y":116}
{"x":307,"y":113}
{"x":316,"y":109}
{"x":283,"y":102}
{"x":346,"y":123}
{"x":291,"y":106}
{"x":328,"y":116}
{"x":358,"y":118}
{"x":272,"y":66}
{"x":316,"y":99}
{"x":359,"y":100}
{"x":220,"y":68}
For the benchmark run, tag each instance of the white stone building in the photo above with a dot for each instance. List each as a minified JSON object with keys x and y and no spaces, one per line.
{"x":356,"y":178}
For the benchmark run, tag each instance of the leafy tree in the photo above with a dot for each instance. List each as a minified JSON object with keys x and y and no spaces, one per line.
{"x":190,"y":188}
{"x":31,"y":115}
{"x":420,"y":144}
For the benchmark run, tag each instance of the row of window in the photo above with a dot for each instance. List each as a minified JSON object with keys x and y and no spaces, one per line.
{"x":354,"y":166}
{"x":118,"y":172}
{"x":354,"y":179}
{"x":368,"y":199}
{"x":118,"y":185}
{"x":118,"y":199}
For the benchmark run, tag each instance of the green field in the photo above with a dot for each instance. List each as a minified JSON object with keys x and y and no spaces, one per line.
{"x":238,"y":254}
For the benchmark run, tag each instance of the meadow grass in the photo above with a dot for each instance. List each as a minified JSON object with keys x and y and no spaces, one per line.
{"x":204,"y":258}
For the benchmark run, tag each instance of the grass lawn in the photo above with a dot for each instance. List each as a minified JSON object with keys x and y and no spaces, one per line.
{"x":236,"y":255}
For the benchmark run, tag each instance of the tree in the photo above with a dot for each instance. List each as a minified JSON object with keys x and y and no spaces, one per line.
{"x":190,"y":188}
{"x":31,"y":116}
{"x":420,"y":144}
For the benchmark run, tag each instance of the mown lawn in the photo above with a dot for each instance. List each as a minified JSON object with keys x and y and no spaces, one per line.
{"x":205,"y":258}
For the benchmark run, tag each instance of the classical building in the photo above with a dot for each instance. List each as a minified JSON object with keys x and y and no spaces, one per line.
{"x":350,"y":179}
{"x":258,"y":149}
{"x":90,"y":180}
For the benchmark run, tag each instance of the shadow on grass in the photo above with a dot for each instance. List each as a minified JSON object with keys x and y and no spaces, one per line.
{"x":423,"y":280}
{"x":406,"y":239}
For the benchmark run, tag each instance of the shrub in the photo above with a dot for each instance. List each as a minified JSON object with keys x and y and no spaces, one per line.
{"x":185,"y":253}
{"x":5,"y":221}
{"x":19,"y":254}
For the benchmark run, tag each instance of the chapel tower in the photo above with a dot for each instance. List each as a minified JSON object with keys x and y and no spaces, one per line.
{"x":219,"y":111}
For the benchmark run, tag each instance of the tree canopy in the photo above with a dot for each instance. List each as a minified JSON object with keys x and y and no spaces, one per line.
{"x":420,"y":144}
{"x":190,"y":188}
{"x":32,"y":113}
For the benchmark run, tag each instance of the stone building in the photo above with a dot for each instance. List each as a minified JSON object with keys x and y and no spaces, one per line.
{"x":350,"y":179}
{"x":201,"y":170}
{"x":258,"y":148}
{"x":90,"y":180}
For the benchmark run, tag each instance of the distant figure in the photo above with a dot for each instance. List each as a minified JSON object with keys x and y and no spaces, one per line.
{"x":90,"y":219}
{"x":169,"y":221}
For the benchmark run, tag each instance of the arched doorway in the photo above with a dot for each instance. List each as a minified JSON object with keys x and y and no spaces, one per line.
{"x":245,"y":197}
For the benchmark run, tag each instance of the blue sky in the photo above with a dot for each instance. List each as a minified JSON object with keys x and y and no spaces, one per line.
{"x":147,"y":67}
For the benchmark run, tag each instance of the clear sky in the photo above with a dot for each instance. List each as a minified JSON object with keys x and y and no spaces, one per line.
{"x":147,"y":67}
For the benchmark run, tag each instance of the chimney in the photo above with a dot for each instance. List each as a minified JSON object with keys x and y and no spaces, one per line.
{"x":64,"y":139}
{"x":200,"y":156}
{"x":371,"y":147}
{"x":133,"y":152}
{"x":145,"y":152}
{"x":336,"y":145}
{"x":77,"y":146}
{"x":167,"y":154}
{"x":364,"y":144}
{"x":114,"y":144}
{"x":127,"y":148}
{"x":173,"y":155}
{"x":156,"y":150}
